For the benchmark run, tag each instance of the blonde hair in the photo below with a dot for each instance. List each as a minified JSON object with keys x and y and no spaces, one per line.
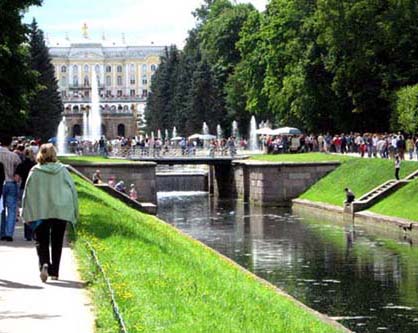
{"x":47,"y":154}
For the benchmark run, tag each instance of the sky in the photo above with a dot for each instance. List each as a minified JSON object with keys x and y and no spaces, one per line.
{"x":143,"y":22}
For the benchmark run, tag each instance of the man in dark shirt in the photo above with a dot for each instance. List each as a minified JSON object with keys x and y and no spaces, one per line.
{"x":349,"y":196}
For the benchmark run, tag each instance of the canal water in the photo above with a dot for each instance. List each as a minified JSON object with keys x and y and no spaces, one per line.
{"x":366,"y":282}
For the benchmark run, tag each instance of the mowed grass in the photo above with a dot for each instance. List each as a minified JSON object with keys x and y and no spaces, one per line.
{"x":305,"y":157}
{"x":360,"y":175}
{"x":166,"y":282}
{"x":402,"y":203}
{"x":90,"y":159}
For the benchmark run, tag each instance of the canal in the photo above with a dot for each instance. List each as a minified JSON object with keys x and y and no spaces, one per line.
{"x":366,"y":282}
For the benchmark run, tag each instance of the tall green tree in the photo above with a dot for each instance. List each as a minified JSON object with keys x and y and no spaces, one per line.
{"x":160,"y":105}
{"x":17,"y":80}
{"x":406,"y":110}
{"x":45,"y":107}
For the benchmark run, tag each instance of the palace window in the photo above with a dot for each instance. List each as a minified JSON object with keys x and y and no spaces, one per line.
{"x":132,"y":80}
{"x":63,"y":69}
{"x":132,"y":93}
{"x":97,"y":69}
{"x":86,"y":68}
{"x":144,"y":93}
{"x":86,"y":81}
{"x":64,"y":94}
{"x":108,"y":80}
{"x":144,"y":79}
{"x":144,"y":68}
{"x":119,"y":69}
{"x":119,"y":93}
{"x":132,"y":68}
{"x":153,"y":68}
{"x":63,"y":80}
{"x":108,"y":93}
{"x":119,"y":82}
{"x":75,"y":69}
{"x":108,"y":69}
{"x":75,"y":80}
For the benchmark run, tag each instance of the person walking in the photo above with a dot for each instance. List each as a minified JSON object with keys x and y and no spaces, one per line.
{"x":10,"y":191}
{"x":22,"y":171}
{"x":49,"y":203}
{"x":397,"y":166}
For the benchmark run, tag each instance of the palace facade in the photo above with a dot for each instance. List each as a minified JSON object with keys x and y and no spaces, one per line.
{"x":123,"y":74}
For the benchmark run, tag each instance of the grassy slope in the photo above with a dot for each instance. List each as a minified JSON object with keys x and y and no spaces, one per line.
{"x":402,"y":203}
{"x":361,"y":175}
{"x":91,"y":159}
{"x":308,"y":157}
{"x":166,"y":282}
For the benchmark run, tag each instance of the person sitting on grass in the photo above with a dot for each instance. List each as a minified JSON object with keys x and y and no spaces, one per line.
{"x":120,"y":186}
{"x":349,"y":196}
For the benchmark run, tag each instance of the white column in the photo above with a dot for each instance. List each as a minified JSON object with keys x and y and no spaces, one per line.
{"x":127,"y":79}
{"x":70,"y":73}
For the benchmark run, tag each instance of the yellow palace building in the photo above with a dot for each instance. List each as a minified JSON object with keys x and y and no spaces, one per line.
{"x":123,"y":73}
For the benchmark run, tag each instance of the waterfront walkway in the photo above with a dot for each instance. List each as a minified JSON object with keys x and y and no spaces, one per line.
{"x":28,"y":305}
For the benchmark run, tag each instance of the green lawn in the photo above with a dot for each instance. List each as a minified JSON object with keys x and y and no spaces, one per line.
{"x":166,"y":282}
{"x":402,"y":203}
{"x":361,"y":175}
{"x":306,"y":157}
{"x":90,"y":159}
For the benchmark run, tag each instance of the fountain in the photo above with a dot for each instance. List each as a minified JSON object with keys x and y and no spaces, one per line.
{"x":219,"y":132}
{"x":253,"y":144}
{"x":85,"y":126}
{"x":235,"y":131}
{"x":94,"y":119}
{"x":62,"y":137}
{"x":174,"y":132}
{"x":166,"y":137}
{"x":159,"y":134}
{"x":205,"y":129}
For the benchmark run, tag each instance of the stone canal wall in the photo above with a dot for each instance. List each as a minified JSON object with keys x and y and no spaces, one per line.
{"x":276,"y":184}
{"x":142,"y":174}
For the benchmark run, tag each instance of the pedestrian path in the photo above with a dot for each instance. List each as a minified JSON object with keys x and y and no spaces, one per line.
{"x":28,"y":305}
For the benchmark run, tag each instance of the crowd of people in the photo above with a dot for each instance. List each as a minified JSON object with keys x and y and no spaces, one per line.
{"x":117,"y":185}
{"x":367,"y":144}
{"x":156,"y":147}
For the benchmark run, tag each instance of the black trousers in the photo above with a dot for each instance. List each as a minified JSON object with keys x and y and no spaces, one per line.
{"x":397,"y":173}
{"x":50,"y":231}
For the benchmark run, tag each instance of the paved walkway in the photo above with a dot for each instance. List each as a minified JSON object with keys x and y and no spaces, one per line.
{"x":28,"y":305}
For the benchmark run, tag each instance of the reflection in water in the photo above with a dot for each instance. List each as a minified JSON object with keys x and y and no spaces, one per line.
{"x":367,"y":283}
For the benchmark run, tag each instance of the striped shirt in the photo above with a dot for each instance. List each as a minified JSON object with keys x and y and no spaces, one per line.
{"x":10,"y":161}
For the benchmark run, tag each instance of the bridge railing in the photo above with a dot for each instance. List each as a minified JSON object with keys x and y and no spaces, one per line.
{"x":146,"y":152}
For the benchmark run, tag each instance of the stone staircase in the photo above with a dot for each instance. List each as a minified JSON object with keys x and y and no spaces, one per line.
{"x":377,"y":194}
{"x":381,"y":192}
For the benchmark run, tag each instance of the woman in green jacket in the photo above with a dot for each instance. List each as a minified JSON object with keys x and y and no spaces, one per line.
{"x":49,"y":202}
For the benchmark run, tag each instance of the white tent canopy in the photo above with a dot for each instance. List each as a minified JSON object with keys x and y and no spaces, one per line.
{"x":202,"y":136}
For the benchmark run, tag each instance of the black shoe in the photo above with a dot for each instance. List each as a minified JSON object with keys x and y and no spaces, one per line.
{"x":3,"y":238}
{"x":9,"y":239}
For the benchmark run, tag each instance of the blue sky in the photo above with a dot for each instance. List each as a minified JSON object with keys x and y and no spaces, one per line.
{"x":142,"y":21}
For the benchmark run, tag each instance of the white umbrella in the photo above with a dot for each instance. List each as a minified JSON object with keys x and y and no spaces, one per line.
{"x":177,"y":138}
{"x":265,"y":131}
{"x":202,"y":136}
{"x":287,"y":131}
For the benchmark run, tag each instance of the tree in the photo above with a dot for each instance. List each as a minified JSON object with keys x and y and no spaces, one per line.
{"x":407,"y":109}
{"x":17,"y":80}
{"x":45,"y":107}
